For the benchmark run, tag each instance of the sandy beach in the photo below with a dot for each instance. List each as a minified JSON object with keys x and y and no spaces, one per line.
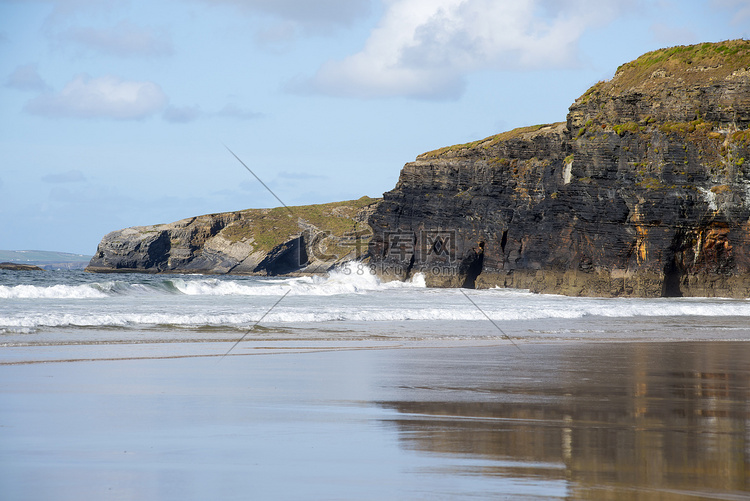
{"x":367,"y":420}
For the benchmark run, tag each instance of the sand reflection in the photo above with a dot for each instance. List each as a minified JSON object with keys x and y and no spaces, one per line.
{"x":617,"y":421}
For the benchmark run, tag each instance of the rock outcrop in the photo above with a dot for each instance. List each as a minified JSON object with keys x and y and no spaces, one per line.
{"x":309,"y":239}
{"x":19,"y":267}
{"x":643,"y":191}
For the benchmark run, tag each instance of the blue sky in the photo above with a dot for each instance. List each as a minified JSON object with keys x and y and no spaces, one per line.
{"x":115,"y":113}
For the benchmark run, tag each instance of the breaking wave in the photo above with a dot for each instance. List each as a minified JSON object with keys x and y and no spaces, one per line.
{"x":50,"y":292}
{"x":351,"y":278}
{"x":347,"y":294}
{"x":428,"y":305}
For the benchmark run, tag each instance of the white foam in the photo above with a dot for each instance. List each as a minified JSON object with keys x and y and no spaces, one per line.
{"x":350,"y":278}
{"x":419,"y":305}
{"x":50,"y":292}
{"x":348,"y":294}
{"x":18,"y":330}
{"x":354,"y":277}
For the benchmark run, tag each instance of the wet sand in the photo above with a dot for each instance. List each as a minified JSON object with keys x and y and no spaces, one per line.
{"x":378,"y":420}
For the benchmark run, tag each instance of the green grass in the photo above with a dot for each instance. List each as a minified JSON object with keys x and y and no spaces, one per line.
{"x":271,"y":227}
{"x":694,"y":64}
{"x":691,"y":54}
{"x":487,"y":142}
{"x":650,"y":183}
{"x":741,"y":137}
{"x":504,"y":162}
{"x":621,"y":129}
{"x":684,"y":128}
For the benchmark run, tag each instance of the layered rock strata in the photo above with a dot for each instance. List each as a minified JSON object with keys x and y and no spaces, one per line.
{"x":643,"y":191}
{"x":309,"y":239}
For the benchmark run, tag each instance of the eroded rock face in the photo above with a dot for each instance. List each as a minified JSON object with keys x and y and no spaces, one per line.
{"x":278,"y":241}
{"x":643,"y":191}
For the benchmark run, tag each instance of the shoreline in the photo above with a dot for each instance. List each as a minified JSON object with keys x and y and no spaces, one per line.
{"x":99,"y":346}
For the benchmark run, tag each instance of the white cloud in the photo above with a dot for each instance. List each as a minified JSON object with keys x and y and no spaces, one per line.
{"x":425,"y":48}
{"x":123,"y":39}
{"x":26,"y":77}
{"x":104,"y":97}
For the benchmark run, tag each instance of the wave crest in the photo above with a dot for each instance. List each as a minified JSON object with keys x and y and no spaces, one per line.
{"x":50,"y":292}
{"x":350,"y":278}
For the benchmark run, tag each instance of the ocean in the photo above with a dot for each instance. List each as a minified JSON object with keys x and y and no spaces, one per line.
{"x":136,"y":386}
{"x":48,"y":308}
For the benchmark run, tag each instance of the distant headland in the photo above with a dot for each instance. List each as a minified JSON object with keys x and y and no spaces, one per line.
{"x":19,"y":267}
{"x":48,"y":260}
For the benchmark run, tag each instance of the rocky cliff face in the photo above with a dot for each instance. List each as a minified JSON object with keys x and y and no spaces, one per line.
{"x":278,"y":241}
{"x":644,"y":191}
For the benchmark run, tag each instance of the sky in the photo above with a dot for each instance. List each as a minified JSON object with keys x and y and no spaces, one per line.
{"x":122,"y":113}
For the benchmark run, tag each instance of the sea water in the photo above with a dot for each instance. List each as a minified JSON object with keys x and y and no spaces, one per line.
{"x":53,"y":307}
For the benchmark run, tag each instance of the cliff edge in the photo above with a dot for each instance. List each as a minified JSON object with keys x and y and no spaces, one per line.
{"x":284,"y":240}
{"x":644,"y":190}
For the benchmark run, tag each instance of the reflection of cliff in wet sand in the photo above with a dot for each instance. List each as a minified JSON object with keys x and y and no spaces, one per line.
{"x":631,"y":421}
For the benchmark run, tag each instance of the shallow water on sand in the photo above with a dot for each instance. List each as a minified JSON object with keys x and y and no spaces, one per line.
{"x":365,"y":420}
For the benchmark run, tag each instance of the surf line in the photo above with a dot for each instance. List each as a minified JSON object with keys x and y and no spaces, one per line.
{"x":255,"y":325}
{"x":488,"y":318}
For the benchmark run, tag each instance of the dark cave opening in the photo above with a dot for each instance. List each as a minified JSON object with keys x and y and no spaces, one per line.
{"x":471,"y":266}
{"x":672,"y":279}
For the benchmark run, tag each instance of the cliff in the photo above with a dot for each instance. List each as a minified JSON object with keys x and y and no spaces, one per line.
{"x":643,"y":191}
{"x":305,"y":239}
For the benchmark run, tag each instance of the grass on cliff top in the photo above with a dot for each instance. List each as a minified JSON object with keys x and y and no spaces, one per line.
{"x":487,"y":142}
{"x":694,"y":64}
{"x":271,"y":227}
